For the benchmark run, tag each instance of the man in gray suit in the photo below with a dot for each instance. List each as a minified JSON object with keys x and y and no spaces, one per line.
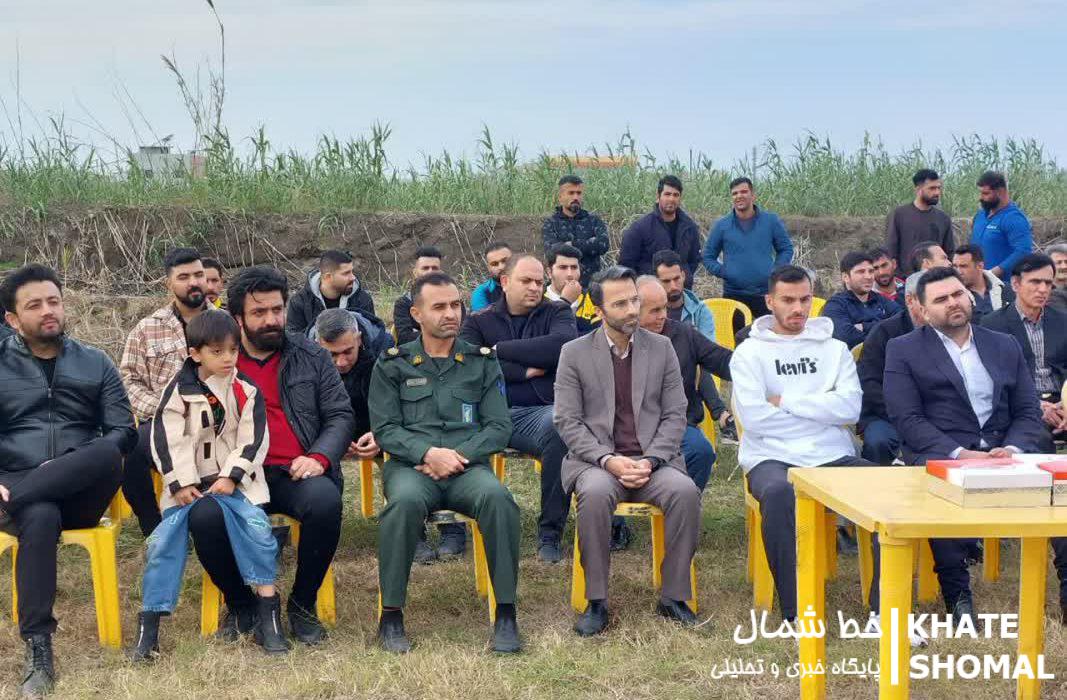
{"x":620,"y":409}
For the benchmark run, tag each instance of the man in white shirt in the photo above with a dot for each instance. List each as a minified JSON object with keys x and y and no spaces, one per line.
{"x":956,"y":390}
{"x":795,"y":393}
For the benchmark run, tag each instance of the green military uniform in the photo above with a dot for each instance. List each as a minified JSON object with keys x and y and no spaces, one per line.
{"x":418,"y":402}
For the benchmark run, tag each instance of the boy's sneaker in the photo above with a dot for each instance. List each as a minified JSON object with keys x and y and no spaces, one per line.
{"x":147,"y":647}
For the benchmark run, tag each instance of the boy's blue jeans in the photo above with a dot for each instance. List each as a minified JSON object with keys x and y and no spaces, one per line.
{"x":249,"y":530}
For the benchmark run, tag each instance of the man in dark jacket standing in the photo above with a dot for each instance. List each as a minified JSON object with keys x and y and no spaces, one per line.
{"x":694,"y":352}
{"x":333,"y":285}
{"x":575,"y":226}
{"x":666,"y":227}
{"x":527,"y":332}
{"x":65,"y":424}
{"x":919,"y":221}
{"x":857,"y":309}
{"x":309,"y":416}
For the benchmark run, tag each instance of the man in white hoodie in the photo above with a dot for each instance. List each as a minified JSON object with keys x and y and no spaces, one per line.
{"x":795,"y":393}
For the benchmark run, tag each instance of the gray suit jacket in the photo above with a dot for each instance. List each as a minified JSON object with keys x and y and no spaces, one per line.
{"x":585,"y":401}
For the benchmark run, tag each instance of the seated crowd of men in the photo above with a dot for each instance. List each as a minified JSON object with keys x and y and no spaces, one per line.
{"x":602,"y":373}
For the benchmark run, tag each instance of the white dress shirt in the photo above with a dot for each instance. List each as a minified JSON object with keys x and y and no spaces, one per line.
{"x":976,"y":378}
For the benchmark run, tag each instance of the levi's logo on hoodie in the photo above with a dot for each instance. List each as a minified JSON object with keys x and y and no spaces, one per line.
{"x":803,"y":365}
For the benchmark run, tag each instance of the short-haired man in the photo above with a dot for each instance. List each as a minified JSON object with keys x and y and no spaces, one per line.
{"x":527,"y":331}
{"x":856,"y":309}
{"x":666,"y":227}
{"x":958,"y":391}
{"x":918,"y":221}
{"x":926,"y":255}
{"x":695,"y":353}
{"x":331,"y":285}
{"x":438,"y":409}
{"x":565,"y":284}
{"x":796,"y":391}
{"x":338,"y":332}
{"x":881,"y":441}
{"x":620,"y":407}
{"x":886,"y":281}
{"x":1058,"y":253}
{"x":214,"y":282}
{"x":153,"y":355}
{"x":497,"y":255}
{"x":684,"y":306}
{"x":309,"y":417}
{"x":752,"y":242}
{"x":1000,"y":227}
{"x":428,"y":259}
{"x":1042,"y":334}
{"x":989,"y":291}
{"x":573,"y":225}
{"x":65,"y":423}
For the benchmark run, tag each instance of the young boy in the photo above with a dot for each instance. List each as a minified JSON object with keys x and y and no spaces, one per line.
{"x":209,"y":439}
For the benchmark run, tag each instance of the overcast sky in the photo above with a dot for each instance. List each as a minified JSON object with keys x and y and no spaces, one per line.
{"x":716,"y":77}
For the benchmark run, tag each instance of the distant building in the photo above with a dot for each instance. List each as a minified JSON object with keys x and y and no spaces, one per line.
{"x":158,"y":161}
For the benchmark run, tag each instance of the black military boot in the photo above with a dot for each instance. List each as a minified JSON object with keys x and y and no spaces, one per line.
{"x":506,"y":639}
{"x":40,"y":675}
{"x":391,"y":635}
{"x":239,"y":620}
{"x":147,"y":647}
{"x":268,"y":631}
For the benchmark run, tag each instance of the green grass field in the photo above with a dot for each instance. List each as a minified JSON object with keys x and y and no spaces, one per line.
{"x":811,"y":176}
{"x":641,"y":656}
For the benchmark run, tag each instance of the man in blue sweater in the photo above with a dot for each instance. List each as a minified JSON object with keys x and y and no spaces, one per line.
{"x":857,"y":309}
{"x":497,"y":255}
{"x":752,"y":242}
{"x":1000,"y":227}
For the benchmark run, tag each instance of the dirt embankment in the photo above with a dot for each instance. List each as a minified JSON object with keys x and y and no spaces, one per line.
{"x":118,"y":250}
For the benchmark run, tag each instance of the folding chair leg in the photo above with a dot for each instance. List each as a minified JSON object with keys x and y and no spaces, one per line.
{"x":693,"y":584}
{"x":578,"y":600}
{"x":866,"y":557}
{"x":210,"y":601}
{"x":326,"y":600}
{"x":14,"y":585}
{"x":366,"y":487}
{"x":991,"y":559}
{"x":481,"y":566}
{"x":750,"y":558}
{"x":101,"y":547}
{"x":658,"y":551}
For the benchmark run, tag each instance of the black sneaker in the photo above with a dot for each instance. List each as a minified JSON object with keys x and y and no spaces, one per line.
{"x":238,"y":621}
{"x":594,"y":620}
{"x":506,"y":639}
{"x":620,"y":536}
{"x":549,"y":550}
{"x":40,"y":676}
{"x":391,"y":635}
{"x":453,"y":540}
{"x":305,"y":625}
{"x":147,"y":647}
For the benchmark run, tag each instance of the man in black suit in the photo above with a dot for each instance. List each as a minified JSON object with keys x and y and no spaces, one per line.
{"x":1042,"y":332}
{"x":957,"y":391}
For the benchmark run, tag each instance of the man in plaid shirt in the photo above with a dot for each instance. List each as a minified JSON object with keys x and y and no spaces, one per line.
{"x":154,"y":352}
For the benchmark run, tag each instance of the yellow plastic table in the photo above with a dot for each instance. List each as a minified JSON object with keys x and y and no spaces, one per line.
{"x":893,"y":502}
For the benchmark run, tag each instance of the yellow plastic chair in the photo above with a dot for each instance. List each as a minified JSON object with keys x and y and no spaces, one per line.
{"x":857,"y":352}
{"x":816,"y":306}
{"x":120,"y":510}
{"x":483,"y":583}
{"x":366,"y":479}
{"x":723,"y":310}
{"x":629,"y":509}
{"x":99,"y":541}
{"x":211,"y":596}
{"x":499,"y":462}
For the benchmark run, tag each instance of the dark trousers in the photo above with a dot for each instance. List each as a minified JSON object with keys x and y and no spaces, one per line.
{"x":757,"y":304}
{"x":315,"y":502}
{"x":950,"y":565}
{"x":137,"y":485}
{"x":67,"y":493}
{"x":881,"y":442}
{"x":534,"y":434}
{"x":768,"y":484}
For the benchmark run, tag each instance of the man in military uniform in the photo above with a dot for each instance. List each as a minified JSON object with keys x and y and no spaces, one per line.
{"x":437,"y":407}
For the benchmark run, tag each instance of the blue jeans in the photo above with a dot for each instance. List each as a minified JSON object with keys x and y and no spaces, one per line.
{"x":534,"y":434}
{"x":248,"y":527}
{"x":881,"y":442}
{"x":699,"y":455}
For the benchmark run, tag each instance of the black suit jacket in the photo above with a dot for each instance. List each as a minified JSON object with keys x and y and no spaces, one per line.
{"x":1054,"y":322}
{"x":871,"y":367}
{"x":694,"y":350}
{"x":928,"y":403}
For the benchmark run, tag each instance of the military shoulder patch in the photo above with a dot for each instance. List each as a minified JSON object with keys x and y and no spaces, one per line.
{"x":486,"y":352}
{"x":392,"y":353}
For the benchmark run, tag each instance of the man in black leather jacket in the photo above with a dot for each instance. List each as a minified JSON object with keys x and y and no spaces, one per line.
{"x":65,"y":424}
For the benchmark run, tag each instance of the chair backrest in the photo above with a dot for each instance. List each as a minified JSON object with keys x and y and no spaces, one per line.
{"x":723,"y":310}
{"x":857,"y":352}
{"x":816,"y":306}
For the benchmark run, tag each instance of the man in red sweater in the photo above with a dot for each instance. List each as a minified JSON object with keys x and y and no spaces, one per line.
{"x":310,"y":422}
